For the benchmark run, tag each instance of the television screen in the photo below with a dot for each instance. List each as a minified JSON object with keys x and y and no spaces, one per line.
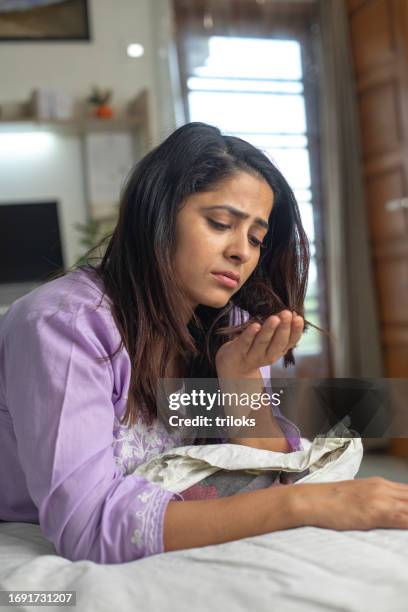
{"x":30,"y":244}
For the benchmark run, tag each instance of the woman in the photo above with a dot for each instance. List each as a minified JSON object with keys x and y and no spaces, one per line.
{"x":80,"y":358}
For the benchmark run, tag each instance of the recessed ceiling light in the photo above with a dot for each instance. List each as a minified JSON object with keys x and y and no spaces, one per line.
{"x":135,"y":50}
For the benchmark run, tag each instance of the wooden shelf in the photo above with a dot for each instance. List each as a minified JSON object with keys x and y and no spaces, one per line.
{"x":81,"y":125}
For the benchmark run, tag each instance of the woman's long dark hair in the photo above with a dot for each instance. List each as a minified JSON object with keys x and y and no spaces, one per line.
{"x":137,"y":266}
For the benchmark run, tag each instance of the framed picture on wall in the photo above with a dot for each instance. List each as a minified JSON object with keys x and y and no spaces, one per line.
{"x":44,"y":20}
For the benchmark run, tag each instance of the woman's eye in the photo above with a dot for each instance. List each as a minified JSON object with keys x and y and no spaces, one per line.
{"x":218,"y":225}
{"x":222,"y":226}
{"x":257,"y":243}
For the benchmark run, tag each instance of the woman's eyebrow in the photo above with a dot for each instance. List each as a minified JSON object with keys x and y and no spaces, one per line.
{"x":239,"y":213}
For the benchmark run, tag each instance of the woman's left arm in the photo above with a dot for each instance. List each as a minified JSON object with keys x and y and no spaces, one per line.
{"x":238,"y":365}
{"x":268,"y":433}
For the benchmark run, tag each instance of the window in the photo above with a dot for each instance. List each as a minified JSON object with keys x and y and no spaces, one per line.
{"x":254,"y":87}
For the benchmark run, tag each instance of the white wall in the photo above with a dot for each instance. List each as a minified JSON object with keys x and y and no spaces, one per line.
{"x":55,"y":171}
{"x":75,"y":66}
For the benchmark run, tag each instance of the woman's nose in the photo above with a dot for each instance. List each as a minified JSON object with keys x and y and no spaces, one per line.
{"x":239,"y":248}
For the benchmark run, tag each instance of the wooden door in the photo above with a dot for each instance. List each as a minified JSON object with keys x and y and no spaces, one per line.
{"x":379,"y":42}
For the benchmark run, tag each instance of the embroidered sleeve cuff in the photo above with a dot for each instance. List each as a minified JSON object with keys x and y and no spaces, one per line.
{"x":155,"y":526}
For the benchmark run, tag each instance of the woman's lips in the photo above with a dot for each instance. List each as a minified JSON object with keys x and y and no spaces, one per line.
{"x":225,"y":280}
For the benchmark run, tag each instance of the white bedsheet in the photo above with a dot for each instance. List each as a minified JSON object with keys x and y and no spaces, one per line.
{"x":299,"y":570}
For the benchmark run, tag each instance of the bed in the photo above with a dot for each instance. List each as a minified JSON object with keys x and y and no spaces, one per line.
{"x":299,"y":569}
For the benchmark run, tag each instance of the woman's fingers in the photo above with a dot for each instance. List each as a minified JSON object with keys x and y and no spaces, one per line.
{"x":262,"y":339}
{"x":296,"y":331}
{"x":277,"y":335}
{"x":270,"y":342}
{"x":280,"y":340}
{"x":398,"y":487}
{"x":247,"y":337}
{"x":260,"y":345}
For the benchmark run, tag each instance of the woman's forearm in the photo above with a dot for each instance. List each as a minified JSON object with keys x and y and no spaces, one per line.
{"x":277,"y":445}
{"x":266,"y":433}
{"x":190,"y":524}
{"x":366,"y":503}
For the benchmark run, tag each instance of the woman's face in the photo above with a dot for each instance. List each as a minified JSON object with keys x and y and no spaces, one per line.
{"x":204,"y":248}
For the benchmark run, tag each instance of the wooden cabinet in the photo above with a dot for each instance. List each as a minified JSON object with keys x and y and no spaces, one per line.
{"x":379,"y":42}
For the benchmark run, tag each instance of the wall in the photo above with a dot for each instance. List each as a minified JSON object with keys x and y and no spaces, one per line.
{"x":53,"y":169}
{"x":76,"y":66}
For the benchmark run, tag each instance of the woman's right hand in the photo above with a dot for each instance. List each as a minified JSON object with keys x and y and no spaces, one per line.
{"x":362,"y":504}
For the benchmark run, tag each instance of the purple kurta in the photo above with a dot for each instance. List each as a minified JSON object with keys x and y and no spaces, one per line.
{"x":66,"y":462}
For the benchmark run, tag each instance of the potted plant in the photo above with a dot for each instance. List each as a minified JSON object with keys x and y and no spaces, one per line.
{"x":100,"y":99}
{"x":92,"y":233}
